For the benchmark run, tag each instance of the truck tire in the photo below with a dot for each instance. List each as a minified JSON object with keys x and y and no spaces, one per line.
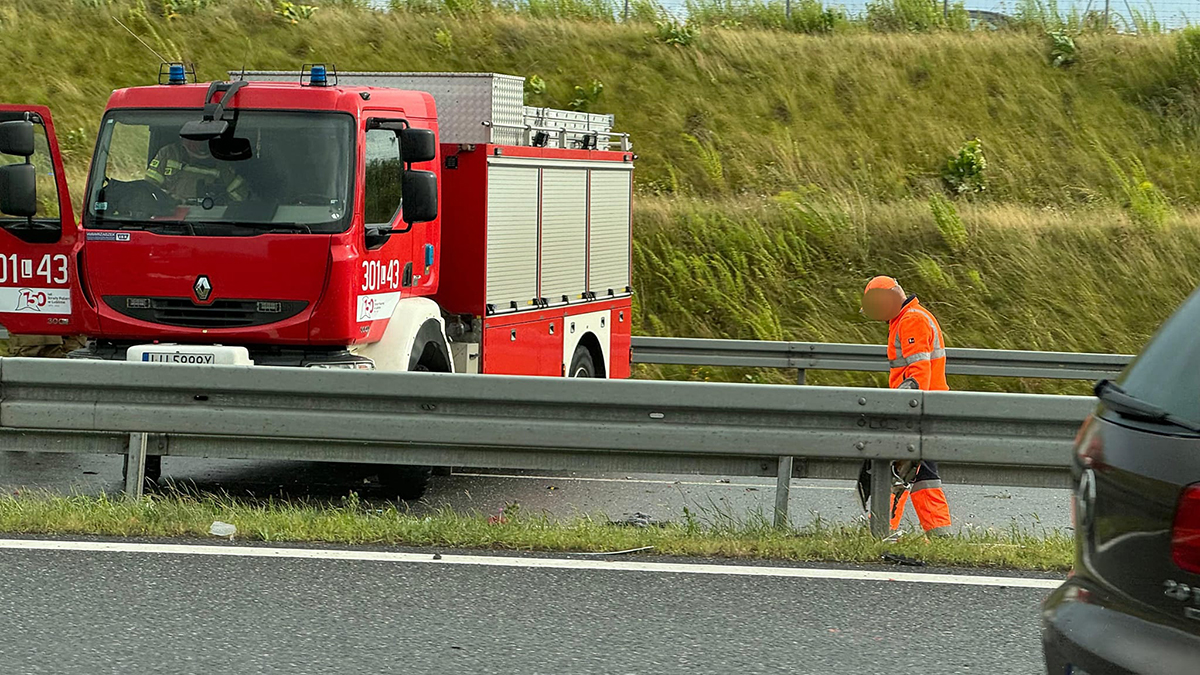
{"x":153,"y":468}
{"x":405,"y":482}
{"x":581,"y":363}
{"x":408,"y":483}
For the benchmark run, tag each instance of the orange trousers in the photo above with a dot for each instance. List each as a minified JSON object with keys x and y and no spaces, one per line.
{"x":927,"y":498}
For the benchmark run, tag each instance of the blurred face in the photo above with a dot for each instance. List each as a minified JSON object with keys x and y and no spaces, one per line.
{"x":882,"y":304}
{"x":196,"y":148}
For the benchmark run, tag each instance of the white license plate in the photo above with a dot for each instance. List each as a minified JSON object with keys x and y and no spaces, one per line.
{"x":179,"y":357}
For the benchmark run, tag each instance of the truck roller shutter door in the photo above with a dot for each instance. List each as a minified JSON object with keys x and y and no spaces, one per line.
{"x":609,"y":235}
{"x":512,"y":236}
{"x":564,"y":233}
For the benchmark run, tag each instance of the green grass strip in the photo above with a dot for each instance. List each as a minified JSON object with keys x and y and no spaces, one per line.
{"x":352,"y":522}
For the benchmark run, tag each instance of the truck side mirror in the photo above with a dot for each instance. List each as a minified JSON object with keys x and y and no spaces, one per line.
{"x":418,"y":145}
{"x":420,"y":197}
{"x":16,"y":138}
{"x":18,"y":190}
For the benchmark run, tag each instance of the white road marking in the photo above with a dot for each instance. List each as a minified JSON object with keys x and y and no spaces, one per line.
{"x":649,"y":481}
{"x":541,"y":563}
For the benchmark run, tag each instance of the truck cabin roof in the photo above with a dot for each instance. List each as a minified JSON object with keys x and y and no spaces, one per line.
{"x":280,"y":96}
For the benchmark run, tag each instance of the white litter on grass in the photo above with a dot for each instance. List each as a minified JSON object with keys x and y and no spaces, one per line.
{"x":630,"y":550}
{"x":219,"y":529}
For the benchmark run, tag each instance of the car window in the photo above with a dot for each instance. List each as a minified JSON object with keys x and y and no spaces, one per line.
{"x":1165,"y":373}
{"x":381,"y":199}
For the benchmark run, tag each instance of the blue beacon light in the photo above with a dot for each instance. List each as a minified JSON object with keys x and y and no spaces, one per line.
{"x":317,"y":77}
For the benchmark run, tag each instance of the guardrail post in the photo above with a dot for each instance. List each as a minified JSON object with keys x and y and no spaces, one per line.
{"x":783,"y":491}
{"x":135,"y":473}
{"x":800,"y":376}
{"x":881,"y":497}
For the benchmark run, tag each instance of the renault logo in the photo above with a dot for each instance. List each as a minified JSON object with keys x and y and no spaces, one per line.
{"x":203,"y":288}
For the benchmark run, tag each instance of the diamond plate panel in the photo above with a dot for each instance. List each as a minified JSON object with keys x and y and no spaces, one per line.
{"x":465,"y":101}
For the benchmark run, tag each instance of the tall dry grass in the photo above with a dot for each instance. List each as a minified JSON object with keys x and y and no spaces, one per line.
{"x":737,"y":111}
{"x":777,"y":171}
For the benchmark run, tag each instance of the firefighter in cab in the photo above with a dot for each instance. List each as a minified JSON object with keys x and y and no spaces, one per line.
{"x":916,"y":354}
{"x":188,"y":172}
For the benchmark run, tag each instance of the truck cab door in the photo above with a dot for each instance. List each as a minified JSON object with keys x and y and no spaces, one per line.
{"x":39,"y":238}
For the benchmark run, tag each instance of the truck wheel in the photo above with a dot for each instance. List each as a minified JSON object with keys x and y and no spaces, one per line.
{"x":409,"y":482}
{"x":153,"y":468}
{"x":405,"y":482}
{"x":581,"y":363}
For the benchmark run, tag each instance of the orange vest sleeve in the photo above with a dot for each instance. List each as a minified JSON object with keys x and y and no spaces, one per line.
{"x":916,"y":342}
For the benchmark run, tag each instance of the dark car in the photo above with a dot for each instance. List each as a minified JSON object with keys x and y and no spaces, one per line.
{"x":1132,"y":602}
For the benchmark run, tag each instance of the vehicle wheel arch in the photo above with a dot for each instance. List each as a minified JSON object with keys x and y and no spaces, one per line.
{"x":414,"y":324}
{"x":591,"y":343}
{"x":431,"y":349}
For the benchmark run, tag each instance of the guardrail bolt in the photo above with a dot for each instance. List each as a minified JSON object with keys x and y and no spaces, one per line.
{"x":912,"y":403}
{"x":862,"y":421}
{"x":860,"y":445}
{"x":862,"y":401}
{"x":912,"y":448}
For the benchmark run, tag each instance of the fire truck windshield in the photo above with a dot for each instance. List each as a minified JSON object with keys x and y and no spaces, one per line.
{"x":272,"y":171}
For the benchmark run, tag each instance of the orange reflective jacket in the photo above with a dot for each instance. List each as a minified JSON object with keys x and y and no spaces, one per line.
{"x":916,"y":349}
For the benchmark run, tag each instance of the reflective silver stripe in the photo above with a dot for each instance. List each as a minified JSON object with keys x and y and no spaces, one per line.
{"x":937,"y":333}
{"x":917,"y":358}
{"x":925,"y":485}
{"x":939,"y":351}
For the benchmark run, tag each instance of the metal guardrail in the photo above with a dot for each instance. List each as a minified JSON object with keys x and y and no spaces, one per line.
{"x":525,"y":422}
{"x":871,"y":358}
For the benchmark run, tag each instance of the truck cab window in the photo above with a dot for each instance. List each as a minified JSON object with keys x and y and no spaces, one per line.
{"x":272,"y":172}
{"x":383,"y":175}
{"x":47,"y":225}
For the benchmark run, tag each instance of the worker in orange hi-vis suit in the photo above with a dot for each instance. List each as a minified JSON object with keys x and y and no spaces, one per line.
{"x":917,"y":358}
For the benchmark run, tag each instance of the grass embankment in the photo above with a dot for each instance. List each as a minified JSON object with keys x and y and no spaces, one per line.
{"x":1015,"y":277}
{"x":736,"y":111}
{"x":353,"y":523}
{"x":777,"y":170}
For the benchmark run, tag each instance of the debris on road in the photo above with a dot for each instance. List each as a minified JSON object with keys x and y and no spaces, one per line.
{"x":638,"y":519}
{"x":220,"y":529}
{"x":899,"y":559}
{"x":497,"y":519}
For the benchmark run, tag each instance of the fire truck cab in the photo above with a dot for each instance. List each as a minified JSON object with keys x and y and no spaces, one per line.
{"x":371,"y":221}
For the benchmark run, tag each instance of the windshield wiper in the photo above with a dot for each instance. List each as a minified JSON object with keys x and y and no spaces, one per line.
{"x":265,"y":227}
{"x":1128,"y":405}
{"x":297,"y":227}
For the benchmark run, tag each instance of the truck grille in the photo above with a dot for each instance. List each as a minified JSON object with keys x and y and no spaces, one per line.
{"x":184,"y":313}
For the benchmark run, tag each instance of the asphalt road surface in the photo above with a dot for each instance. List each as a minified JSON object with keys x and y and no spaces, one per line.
{"x":133,"y":611}
{"x":664,"y":497}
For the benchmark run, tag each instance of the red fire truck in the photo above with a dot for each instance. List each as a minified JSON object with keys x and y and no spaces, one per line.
{"x":373,"y":221}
